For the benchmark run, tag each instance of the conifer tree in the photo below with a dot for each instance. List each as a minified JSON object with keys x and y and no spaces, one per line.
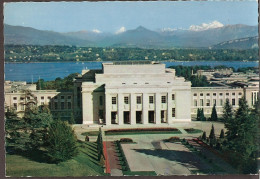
{"x":222,"y":134}
{"x":61,"y":142}
{"x":204,"y":136}
{"x":198,"y":114}
{"x":212,"y":133}
{"x":214,"y":116}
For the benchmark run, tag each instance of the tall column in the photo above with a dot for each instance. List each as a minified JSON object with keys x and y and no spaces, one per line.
{"x":157,"y":108}
{"x":169,"y":108}
{"x":132,"y":109}
{"x":120,"y":108}
{"x":145,"y":108}
{"x":87,"y":107}
{"x":108,"y":103}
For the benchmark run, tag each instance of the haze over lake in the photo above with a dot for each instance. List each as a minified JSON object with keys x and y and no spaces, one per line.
{"x":50,"y":71}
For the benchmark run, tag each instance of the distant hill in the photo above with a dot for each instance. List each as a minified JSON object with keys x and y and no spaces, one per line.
{"x":140,"y":37}
{"x":30,"y":36}
{"x":243,"y":43}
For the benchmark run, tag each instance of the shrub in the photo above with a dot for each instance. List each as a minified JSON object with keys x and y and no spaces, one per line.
{"x":122,"y":140}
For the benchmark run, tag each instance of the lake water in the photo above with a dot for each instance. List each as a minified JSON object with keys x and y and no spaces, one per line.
{"x":50,"y":71}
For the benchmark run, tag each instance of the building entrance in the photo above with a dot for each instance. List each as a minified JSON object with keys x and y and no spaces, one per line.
{"x":163,"y":116}
{"x":151,"y":117}
{"x":138,"y":117}
{"x":126,"y":117}
{"x":114,"y":118}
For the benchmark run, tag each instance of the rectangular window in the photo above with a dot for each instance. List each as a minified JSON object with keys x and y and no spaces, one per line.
{"x":69,"y":105}
{"x":208,"y":94}
{"x":62,"y":105}
{"x":220,"y":94}
{"x":28,"y":98}
{"x":55,"y":97}
{"x":227,"y":94}
{"x":69,"y":97}
{"x":151,"y":99}
{"x":201,"y":94}
{"x":208,"y":102}
{"x":138,"y":100}
{"x":42,"y":97}
{"x":195,"y":103}
{"x":221,"y":102}
{"x":173,"y":96}
{"x":126,"y":100}
{"x":21,"y":98}
{"x":100,"y":100}
{"x":201,"y":102}
{"x":233,"y":94}
{"x":61,"y":97}
{"x":214,"y":94}
{"x":195,"y":94}
{"x":163,"y":99}
{"x":233,"y":102}
{"x":173,"y":112}
{"x":214,"y":101}
{"x":55,"y":105}
{"x":15,"y":106}
{"x":239,"y":93}
{"x":113,"y":100}
{"x":14,"y":98}
{"x":22,"y":107}
{"x":49,"y":97}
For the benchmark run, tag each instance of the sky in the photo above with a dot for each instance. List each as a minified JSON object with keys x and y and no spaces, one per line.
{"x":121,"y":16}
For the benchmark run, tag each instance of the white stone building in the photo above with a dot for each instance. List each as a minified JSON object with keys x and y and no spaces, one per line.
{"x":133,"y":93}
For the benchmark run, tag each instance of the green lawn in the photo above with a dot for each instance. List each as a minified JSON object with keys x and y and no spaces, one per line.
{"x":84,"y":164}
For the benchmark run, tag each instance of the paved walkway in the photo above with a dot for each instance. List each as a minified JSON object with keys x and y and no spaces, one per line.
{"x":113,"y":159}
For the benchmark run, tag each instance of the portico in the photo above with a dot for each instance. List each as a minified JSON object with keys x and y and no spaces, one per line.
{"x":136,"y":94}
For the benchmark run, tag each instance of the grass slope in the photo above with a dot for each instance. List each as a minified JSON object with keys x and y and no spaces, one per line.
{"x":84,"y":164}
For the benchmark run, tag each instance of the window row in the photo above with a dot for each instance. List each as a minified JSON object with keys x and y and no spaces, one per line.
{"x":42,"y":97}
{"x":215,"y":94}
{"x":139,"y":99}
{"x":214,"y":102}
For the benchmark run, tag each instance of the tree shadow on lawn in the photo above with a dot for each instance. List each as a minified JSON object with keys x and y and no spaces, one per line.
{"x":187,"y":159}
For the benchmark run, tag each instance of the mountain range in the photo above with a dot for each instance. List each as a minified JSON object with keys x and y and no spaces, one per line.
{"x":141,"y":37}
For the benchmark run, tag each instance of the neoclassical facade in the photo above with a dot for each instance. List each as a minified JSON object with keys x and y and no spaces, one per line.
{"x":124,"y":93}
{"x":134,"y":93}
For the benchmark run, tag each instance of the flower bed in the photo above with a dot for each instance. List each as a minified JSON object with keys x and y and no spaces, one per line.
{"x":143,"y":131}
{"x":193,"y":131}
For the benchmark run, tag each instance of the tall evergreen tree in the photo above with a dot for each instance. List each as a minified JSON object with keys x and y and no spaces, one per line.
{"x":61,"y":142}
{"x":214,"y":116}
{"x":212,"y":133}
{"x":229,"y":122}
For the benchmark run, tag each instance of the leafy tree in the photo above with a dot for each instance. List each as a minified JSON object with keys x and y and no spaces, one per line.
{"x":61,"y":142}
{"x":214,"y":116}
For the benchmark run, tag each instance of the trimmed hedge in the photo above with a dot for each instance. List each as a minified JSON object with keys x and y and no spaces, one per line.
{"x":193,"y":131}
{"x":143,"y":131}
{"x":173,"y":139}
{"x":126,"y":140}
